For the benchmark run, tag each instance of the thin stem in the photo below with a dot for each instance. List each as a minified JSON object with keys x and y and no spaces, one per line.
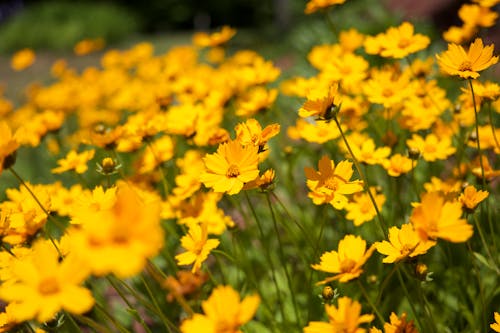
{"x":476,"y":122}
{"x":90,"y":323}
{"x":267,"y":255}
{"x":493,"y":130}
{"x":71,"y":320}
{"x":380,"y":220}
{"x":407,"y":294}
{"x":284,"y":261}
{"x":385,"y":282}
{"x":485,"y":244}
{"x":118,"y":326}
{"x":155,"y":303}
{"x":481,"y":288}
{"x":368,"y":299}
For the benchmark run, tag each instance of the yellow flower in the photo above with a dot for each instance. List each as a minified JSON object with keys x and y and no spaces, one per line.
{"x":231,"y":167}
{"x":215,"y":39}
{"x":8,"y":146}
{"x":399,"y":325}
{"x":197,"y":246}
{"x":361,"y":209}
{"x":42,"y":285}
{"x":431,"y":147}
{"x":397,"y":42}
{"x":397,"y":165}
{"x":496,"y":325}
{"x":346,"y":317}
{"x":471,"y":197}
{"x":477,"y":16}
{"x":74,"y":161}
{"x":255,"y":100}
{"x":347,"y":262}
{"x":87,"y":46}
{"x":316,"y":131}
{"x":251,"y":133}
{"x":22,"y":59}
{"x":315,"y":5}
{"x":224,"y":312}
{"x":119,"y":236}
{"x":331,"y":184}
{"x":455,"y":61}
{"x":321,"y":103}
{"x":158,"y":151}
{"x":403,"y":243}
{"x":434,"y":218}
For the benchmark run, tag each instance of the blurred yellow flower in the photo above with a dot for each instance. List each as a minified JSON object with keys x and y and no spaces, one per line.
{"x":197,"y":246}
{"x":331,"y":184}
{"x":360,"y":209}
{"x":22,"y":59}
{"x":224,"y":312}
{"x":399,"y":325}
{"x":231,"y":167}
{"x":455,"y":61}
{"x":87,"y":46}
{"x":471,"y":197}
{"x":347,"y":262}
{"x":315,"y":5}
{"x":74,"y":161}
{"x":215,"y":39}
{"x":496,"y":325}
{"x":434,"y":218}
{"x":321,"y":103}
{"x":42,"y":284}
{"x":431,"y":147}
{"x":8,"y":146}
{"x":345,"y":317}
{"x":403,"y":243}
{"x":397,"y":165}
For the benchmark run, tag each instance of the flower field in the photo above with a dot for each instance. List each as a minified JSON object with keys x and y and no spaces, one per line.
{"x":207,"y":189}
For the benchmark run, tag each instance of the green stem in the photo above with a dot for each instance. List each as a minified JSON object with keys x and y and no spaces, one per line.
{"x":155,"y":303}
{"x":284,"y":261}
{"x":115,"y":322}
{"x":493,"y":129}
{"x":368,"y":299}
{"x":90,"y":323}
{"x":75,"y":326}
{"x":385,"y":282}
{"x":476,"y":122}
{"x":481,"y":288}
{"x":267,"y":254}
{"x":380,"y":220}
{"x":485,"y":244}
{"x":407,"y":294}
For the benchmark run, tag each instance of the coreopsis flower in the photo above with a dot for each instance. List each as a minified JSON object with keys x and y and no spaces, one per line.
{"x":119,"y":235}
{"x":264,"y":181}
{"x":431,"y":147}
{"x":22,"y":59}
{"x":42,"y":284}
{"x":221,"y":37}
{"x":345,"y":317}
{"x":467,"y":65}
{"x":477,"y":16}
{"x":316,"y":131}
{"x":233,"y":165}
{"x":496,"y":325}
{"x":321,"y":103}
{"x":397,"y":42}
{"x":348,"y":69}
{"x":184,"y":283}
{"x":255,"y":100}
{"x":87,"y":46}
{"x":459,"y":35}
{"x":360,"y":209}
{"x":471,"y":197}
{"x":251,"y":133}
{"x":435,"y":218}
{"x":486,"y":3}
{"x":74,"y":161}
{"x":399,"y":325}
{"x":8,"y":147}
{"x":367,"y":152}
{"x":489,"y":172}
{"x":403,"y":243}
{"x":388,"y":88}
{"x":158,"y":151}
{"x":331,"y":184}
{"x":347,"y":262}
{"x":397,"y":165}
{"x":224,"y":312}
{"x":315,"y":5}
{"x":197,"y":246}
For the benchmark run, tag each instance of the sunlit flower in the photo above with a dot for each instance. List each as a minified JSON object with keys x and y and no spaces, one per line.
{"x":321,"y":104}
{"x":347,"y":262}
{"x":346,"y":317}
{"x":251,"y":133}
{"x":403,"y":243}
{"x":197,"y":246}
{"x":471,"y":197}
{"x":22,"y":59}
{"x":331,"y":184}
{"x":184,"y":283}
{"x":477,"y":16}
{"x":399,"y":325}
{"x":74,"y":161}
{"x":224,"y":312}
{"x":42,"y":285}
{"x":8,"y":146}
{"x":489,"y":172}
{"x":215,"y":39}
{"x":455,"y":61}
{"x":87,"y":46}
{"x":397,"y":165}
{"x":255,"y":100}
{"x":496,"y":325}
{"x":315,"y":5}
{"x":233,"y":165}
{"x":360,"y":209}
{"x":434,"y":218}
{"x":431,"y":147}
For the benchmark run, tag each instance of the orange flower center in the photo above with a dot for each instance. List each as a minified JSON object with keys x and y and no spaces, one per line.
{"x":331,"y":183}
{"x":347,"y":265}
{"x":48,"y":286}
{"x":233,"y":171}
{"x":403,"y":42}
{"x":465,"y":66}
{"x":387,"y":92}
{"x":406,"y":250}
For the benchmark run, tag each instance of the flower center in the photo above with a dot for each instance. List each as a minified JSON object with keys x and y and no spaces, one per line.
{"x":347,"y":265}
{"x":465,"y":66}
{"x":48,"y":286}
{"x":403,"y":43}
{"x":331,"y":183}
{"x":233,"y":171}
{"x":387,"y":92}
{"x":406,"y":250}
